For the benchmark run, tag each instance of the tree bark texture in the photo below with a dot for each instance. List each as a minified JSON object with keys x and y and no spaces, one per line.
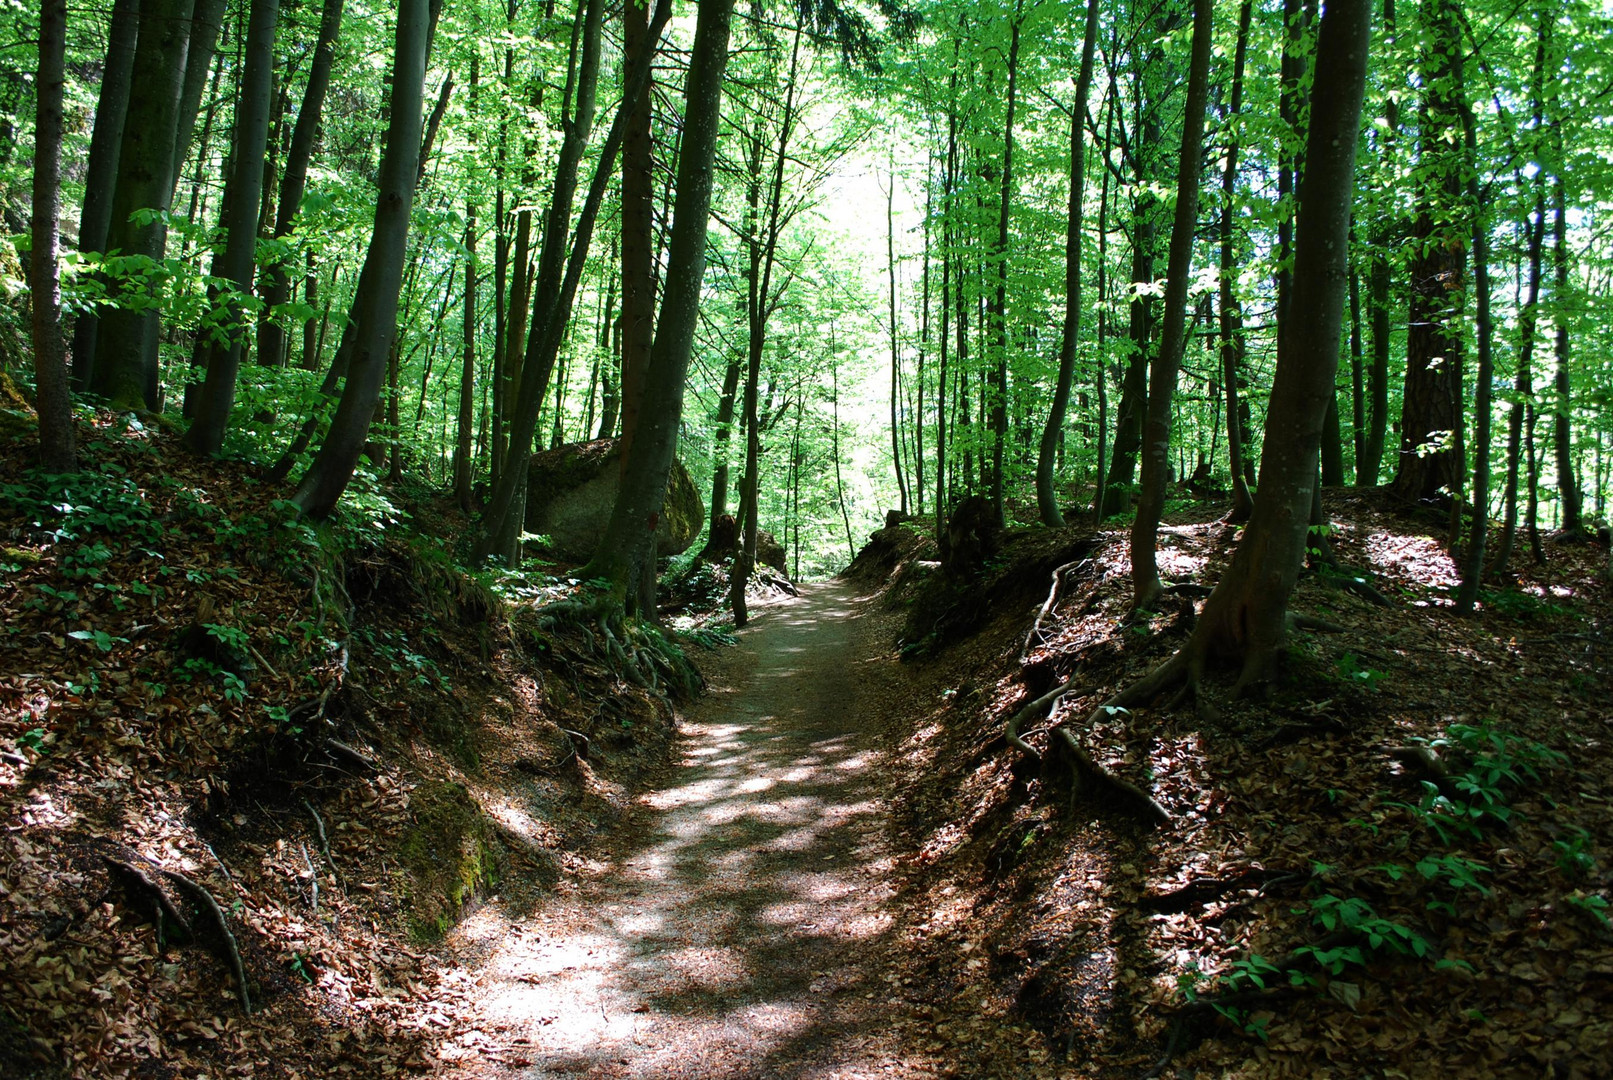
{"x":56,"y":445}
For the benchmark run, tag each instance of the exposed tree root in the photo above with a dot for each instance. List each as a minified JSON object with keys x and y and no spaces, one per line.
{"x":1032,"y":638}
{"x":141,"y":883}
{"x":152,"y":896}
{"x":233,"y":952}
{"x":1132,"y":795}
{"x":1083,"y":768}
{"x":340,"y":751}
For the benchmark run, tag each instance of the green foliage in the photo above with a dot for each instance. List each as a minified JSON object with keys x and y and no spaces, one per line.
{"x":1350,"y":670}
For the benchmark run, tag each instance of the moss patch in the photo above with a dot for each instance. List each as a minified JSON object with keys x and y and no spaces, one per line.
{"x":450,"y":855}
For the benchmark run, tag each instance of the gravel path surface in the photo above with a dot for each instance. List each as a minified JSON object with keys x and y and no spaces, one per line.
{"x":739,"y":927}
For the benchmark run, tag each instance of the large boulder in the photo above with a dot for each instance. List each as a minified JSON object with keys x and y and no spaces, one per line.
{"x":571,"y":490}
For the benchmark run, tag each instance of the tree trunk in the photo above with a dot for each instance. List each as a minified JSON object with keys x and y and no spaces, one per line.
{"x":219,"y":348}
{"x":1431,"y":412}
{"x":56,"y":445}
{"x":1473,"y":558}
{"x":467,"y":371}
{"x":1146,"y":586}
{"x":638,"y":222}
{"x":558,"y":276}
{"x":896,"y":359}
{"x":1047,"y":500}
{"x":206,"y":22}
{"x":125,"y":369}
{"x":375,"y":304}
{"x":1562,"y":429}
{"x":101,"y":170}
{"x":762,"y":251}
{"x":273,"y":279}
{"x":1245,"y":617}
{"x":997,"y":311}
{"x":1528,"y":329}
{"x":630,"y":537}
{"x":1229,"y":312}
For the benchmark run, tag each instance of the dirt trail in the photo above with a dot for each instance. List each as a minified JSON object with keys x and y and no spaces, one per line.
{"x":738,"y":927}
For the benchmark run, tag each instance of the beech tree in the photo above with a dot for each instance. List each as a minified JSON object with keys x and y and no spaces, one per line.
{"x":374,"y":312}
{"x":56,"y":440}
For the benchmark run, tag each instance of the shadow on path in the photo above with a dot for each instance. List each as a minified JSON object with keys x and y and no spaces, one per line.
{"x":740,"y":933}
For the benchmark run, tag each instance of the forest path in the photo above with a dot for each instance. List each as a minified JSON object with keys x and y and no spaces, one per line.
{"x":738,"y":926}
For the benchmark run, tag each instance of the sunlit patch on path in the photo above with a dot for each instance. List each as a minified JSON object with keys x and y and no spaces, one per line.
{"x":737,"y":930}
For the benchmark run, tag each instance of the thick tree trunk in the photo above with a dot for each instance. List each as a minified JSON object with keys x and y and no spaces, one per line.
{"x":219,"y":348}
{"x":125,"y":369}
{"x":375,"y":304}
{"x":638,"y":222}
{"x":630,"y":537}
{"x":274,"y":280}
{"x":1146,"y":586}
{"x":56,"y":445}
{"x":1430,"y":465}
{"x":1047,"y":501}
{"x":101,"y":170}
{"x":1245,"y":618}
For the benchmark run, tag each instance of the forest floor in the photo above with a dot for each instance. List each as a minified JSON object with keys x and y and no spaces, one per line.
{"x":447,"y":837}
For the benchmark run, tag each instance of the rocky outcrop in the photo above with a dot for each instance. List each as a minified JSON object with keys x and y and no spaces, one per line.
{"x":571,"y":490}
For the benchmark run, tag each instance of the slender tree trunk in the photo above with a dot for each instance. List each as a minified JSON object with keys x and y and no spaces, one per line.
{"x":630,"y":536}
{"x":1146,"y":586}
{"x":57,"y":453}
{"x":762,"y":252}
{"x":1523,"y":389}
{"x":1101,"y":480}
{"x":101,"y":170}
{"x":558,"y":275}
{"x":206,"y":22}
{"x":834,"y":436}
{"x":720,"y":439}
{"x":219,"y":348}
{"x":376,"y":301}
{"x":896,"y":360}
{"x":1473,"y":558}
{"x":1358,"y":402}
{"x":1230,"y":311}
{"x":274,"y":281}
{"x":1561,"y":409}
{"x":1046,"y":497}
{"x":997,"y":313}
{"x":463,"y":465}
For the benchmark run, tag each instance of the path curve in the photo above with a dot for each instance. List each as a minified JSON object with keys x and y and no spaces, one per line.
{"x":738,"y":929}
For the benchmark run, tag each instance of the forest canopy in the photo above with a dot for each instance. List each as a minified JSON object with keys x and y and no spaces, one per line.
{"x":839,"y":258}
